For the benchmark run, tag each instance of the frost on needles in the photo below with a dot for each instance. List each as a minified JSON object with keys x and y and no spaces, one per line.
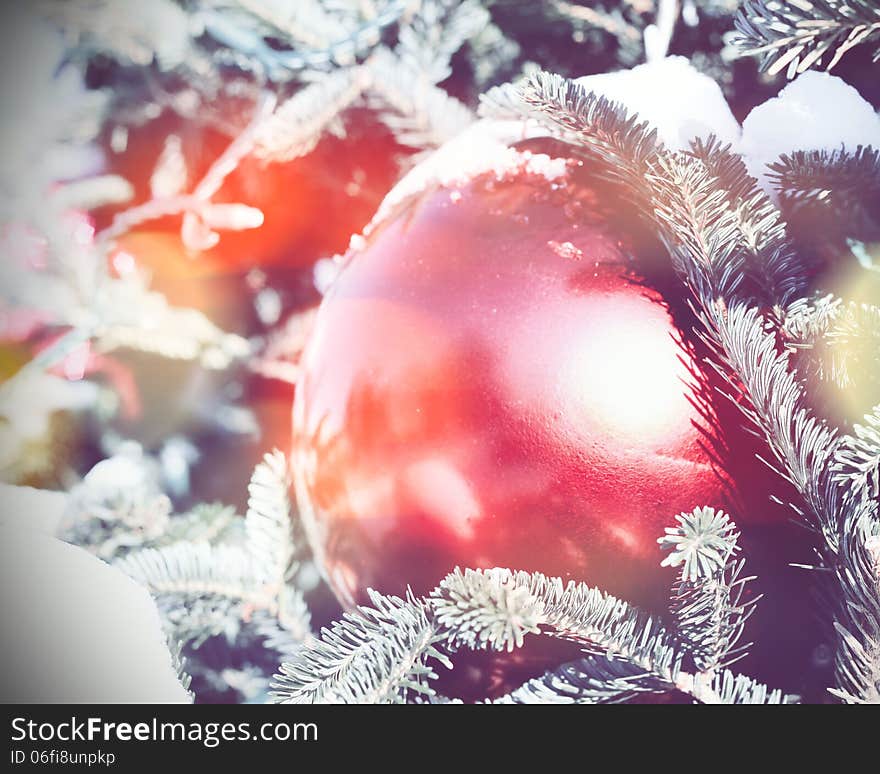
{"x":391,"y":650}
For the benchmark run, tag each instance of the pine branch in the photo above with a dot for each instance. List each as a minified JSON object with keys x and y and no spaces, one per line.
{"x":802,"y":444}
{"x":507,"y":602}
{"x":374,"y":655}
{"x":504,"y":102}
{"x":858,"y":624}
{"x":268,"y":519}
{"x":270,"y":542}
{"x":209,"y":588}
{"x":804,"y":447}
{"x":594,"y":679}
{"x":832,"y":194}
{"x":204,"y":590}
{"x":724,"y":235}
{"x":858,"y":458}
{"x":201,"y":618}
{"x":805,"y":334}
{"x":770,"y":260}
{"x":381,"y":653}
{"x":712,"y":615}
{"x":707,"y":601}
{"x":610,"y":20}
{"x":490,"y":52}
{"x":406,"y":78}
{"x":178,"y":663}
{"x":160,"y":33}
{"x":290,"y":627}
{"x":859,"y":672}
{"x":197,"y":570}
{"x":295,"y":127}
{"x":249,"y":49}
{"x":486,"y":610}
{"x":594,"y":124}
{"x":800,"y":34}
{"x":421,"y":114}
{"x":700,"y":231}
{"x":435,"y":32}
{"x":854,"y":338}
{"x":575,"y":611}
{"x":728,"y":688}
{"x":306,"y":23}
{"x":701,"y":544}
{"x":837,"y":177}
{"x":205,"y":523}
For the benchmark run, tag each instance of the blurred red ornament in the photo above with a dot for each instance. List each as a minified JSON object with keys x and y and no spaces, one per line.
{"x":311,"y":205}
{"x":489,"y":383}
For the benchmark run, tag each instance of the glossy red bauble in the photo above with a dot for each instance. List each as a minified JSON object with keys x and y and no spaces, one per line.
{"x":488,"y":383}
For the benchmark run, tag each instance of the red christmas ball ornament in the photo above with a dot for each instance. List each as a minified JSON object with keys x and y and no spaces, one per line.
{"x":311,"y":204}
{"x":314,"y":203}
{"x":490,"y":383}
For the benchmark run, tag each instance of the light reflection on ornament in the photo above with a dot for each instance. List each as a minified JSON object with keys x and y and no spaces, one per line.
{"x":625,"y":344}
{"x":440,"y":491}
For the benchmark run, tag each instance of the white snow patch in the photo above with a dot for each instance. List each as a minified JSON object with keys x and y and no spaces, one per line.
{"x":76,"y":629}
{"x":128,"y":472}
{"x":125,"y":488}
{"x":674,"y":97}
{"x":816,"y":111}
{"x":37,"y":509}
